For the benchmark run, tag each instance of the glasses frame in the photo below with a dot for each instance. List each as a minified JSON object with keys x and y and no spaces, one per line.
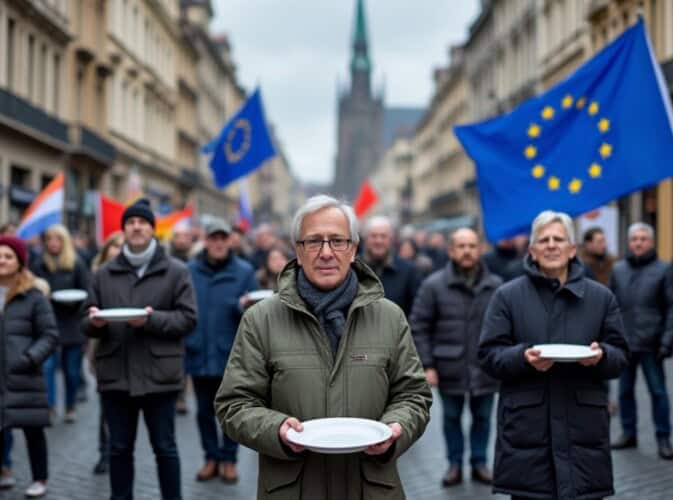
{"x":330,"y":243}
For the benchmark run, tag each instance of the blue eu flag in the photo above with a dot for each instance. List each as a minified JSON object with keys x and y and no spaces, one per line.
{"x":243,"y":145}
{"x":605,"y":131}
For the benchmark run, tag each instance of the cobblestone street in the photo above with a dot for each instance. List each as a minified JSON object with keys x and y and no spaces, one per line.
{"x":73,"y":452}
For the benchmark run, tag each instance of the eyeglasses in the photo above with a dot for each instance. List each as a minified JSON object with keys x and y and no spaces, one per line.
{"x":315,"y":244}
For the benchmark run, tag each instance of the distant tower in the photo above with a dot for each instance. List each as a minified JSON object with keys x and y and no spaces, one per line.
{"x":360,"y":124}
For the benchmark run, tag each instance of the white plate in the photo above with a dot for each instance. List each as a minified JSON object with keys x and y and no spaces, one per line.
{"x":69,"y":295}
{"x":121,"y":313}
{"x":339,"y":435}
{"x":258,"y":295}
{"x":564,"y":353}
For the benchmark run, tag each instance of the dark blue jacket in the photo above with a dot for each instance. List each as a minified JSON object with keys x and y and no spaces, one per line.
{"x":400,"y":282}
{"x":217,"y":295}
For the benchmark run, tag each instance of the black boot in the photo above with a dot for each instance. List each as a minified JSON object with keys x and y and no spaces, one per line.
{"x":624,"y":441}
{"x":452,"y":477}
{"x":665,"y":450}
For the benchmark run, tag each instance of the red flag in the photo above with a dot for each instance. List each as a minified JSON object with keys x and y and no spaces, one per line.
{"x":108,"y":217}
{"x":166,"y":224}
{"x":367,"y":197}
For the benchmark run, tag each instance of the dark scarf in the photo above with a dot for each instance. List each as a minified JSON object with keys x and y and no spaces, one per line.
{"x":643,"y":260}
{"x":330,"y":307}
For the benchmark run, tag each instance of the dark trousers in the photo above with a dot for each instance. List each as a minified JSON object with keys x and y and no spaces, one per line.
{"x":103,"y":432}
{"x":8,"y":442}
{"x":480,"y":408}
{"x":226,"y":450}
{"x":36,"y":442}
{"x":656,"y":383}
{"x":121,"y":414}
{"x":69,"y":358}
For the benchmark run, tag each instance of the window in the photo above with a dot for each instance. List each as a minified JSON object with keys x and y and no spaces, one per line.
{"x":19,"y":176}
{"x":30,"y":70}
{"x":42,"y":77}
{"x":57,"y":83}
{"x":11,"y":46}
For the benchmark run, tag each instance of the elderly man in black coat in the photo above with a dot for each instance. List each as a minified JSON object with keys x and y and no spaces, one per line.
{"x":553,"y":423}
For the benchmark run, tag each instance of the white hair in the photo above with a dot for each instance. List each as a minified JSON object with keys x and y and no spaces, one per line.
{"x":379,"y":220}
{"x":549,"y":216}
{"x":321,"y":202}
{"x":640,"y":226}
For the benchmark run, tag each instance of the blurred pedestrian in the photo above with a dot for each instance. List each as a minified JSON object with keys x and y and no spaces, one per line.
{"x":595,"y":255}
{"x":410,"y":252}
{"x":502,"y":256}
{"x":327,"y":345}
{"x":180,"y":245}
{"x":221,"y":280}
{"x":28,"y":335}
{"x":64,"y":269}
{"x":111,"y":248}
{"x":277,"y":258}
{"x":645,"y":295}
{"x":140,"y":361}
{"x":265,"y":238}
{"x":436,"y":250}
{"x":446,"y":322}
{"x":398,"y":276}
{"x":553,"y":423}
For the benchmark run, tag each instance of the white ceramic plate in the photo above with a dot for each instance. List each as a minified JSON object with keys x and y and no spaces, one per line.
{"x":121,"y":313}
{"x":258,"y":295}
{"x":69,"y":295}
{"x":564,"y":353}
{"x":339,"y":435}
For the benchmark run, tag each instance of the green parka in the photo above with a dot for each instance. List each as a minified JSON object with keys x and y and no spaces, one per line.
{"x":281,"y":366}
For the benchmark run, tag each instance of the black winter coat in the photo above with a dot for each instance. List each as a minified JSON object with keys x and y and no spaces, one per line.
{"x":28,"y":336}
{"x":400,"y":282}
{"x":643,"y":290}
{"x":553,"y":427}
{"x":446,"y":322}
{"x":67,"y":314}
{"x":148,"y":359}
{"x":501,"y":262}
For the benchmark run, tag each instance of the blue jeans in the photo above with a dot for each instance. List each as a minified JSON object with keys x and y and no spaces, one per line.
{"x":205,"y":389}
{"x":656,"y":383}
{"x":480,"y":408}
{"x":121,"y":414}
{"x":69,"y":359}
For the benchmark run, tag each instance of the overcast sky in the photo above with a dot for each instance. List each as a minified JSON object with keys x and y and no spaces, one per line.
{"x":297,"y":50}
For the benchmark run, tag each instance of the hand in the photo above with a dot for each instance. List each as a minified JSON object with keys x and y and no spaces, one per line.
{"x":290,"y":423}
{"x":138,"y":322}
{"x":595,"y":359}
{"x":533,"y":358}
{"x":664,"y":352}
{"x":431,"y":377}
{"x":244,"y":302}
{"x":96,"y":322}
{"x":381,"y":448}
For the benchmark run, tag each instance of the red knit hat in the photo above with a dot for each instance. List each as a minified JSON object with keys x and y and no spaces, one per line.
{"x":17,"y":245}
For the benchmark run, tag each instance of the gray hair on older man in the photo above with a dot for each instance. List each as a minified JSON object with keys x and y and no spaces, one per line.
{"x":547,"y":217}
{"x":318,"y":203}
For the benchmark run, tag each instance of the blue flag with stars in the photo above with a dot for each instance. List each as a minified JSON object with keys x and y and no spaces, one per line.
{"x":243,"y":145}
{"x":605,"y":131}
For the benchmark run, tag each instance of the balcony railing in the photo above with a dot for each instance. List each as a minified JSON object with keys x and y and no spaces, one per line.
{"x":20,"y":110}
{"x":88,"y":143}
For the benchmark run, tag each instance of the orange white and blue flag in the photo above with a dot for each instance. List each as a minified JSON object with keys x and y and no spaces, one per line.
{"x":244,"y":207}
{"x":45,"y":211}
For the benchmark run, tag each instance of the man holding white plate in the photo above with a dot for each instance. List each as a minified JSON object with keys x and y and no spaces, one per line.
{"x":140,"y":306}
{"x":328,"y":345}
{"x":553,"y":423}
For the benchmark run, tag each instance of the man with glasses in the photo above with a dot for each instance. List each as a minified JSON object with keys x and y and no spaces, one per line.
{"x":327,"y":345}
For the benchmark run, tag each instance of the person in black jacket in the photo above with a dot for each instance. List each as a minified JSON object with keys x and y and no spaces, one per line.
{"x":553,"y":423}
{"x":63,"y":269}
{"x":642,"y":285}
{"x":28,"y":335}
{"x":445,"y":322}
{"x":397,"y":275}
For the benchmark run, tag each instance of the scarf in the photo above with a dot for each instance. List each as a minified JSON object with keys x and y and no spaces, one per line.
{"x":331,"y":306}
{"x":140,"y":261}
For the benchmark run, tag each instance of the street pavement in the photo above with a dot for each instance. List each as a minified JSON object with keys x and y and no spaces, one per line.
{"x":73,"y":452}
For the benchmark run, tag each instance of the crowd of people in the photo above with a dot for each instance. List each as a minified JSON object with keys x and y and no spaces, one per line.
{"x":362,"y":322}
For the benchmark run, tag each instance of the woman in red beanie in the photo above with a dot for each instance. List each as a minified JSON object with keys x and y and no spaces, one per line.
{"x":28,"y":335}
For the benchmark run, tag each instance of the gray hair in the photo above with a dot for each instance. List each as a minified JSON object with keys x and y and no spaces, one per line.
{"x":640,"y":226}
{"x":321,"y":202}
{"x":547,"y":217}
{"x":379,"y":220}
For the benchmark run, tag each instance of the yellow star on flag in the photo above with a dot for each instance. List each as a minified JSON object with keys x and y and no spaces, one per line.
{"x":604,"y":125}
{"x":530,"y":152}
{"x":574,"y":186}
{"x":534,"y":131}
{"x":553,"y":183}
{"x":593,"y":108}
{"x":567,"y":101}
{"x":548,"y":113}
{"x":538,"y":171}
{"x":595,"y":170}
{"x":605,"y":150}
{"x":580,"y":102}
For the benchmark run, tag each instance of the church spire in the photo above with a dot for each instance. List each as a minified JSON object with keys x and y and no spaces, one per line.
{"x":360,"y":59}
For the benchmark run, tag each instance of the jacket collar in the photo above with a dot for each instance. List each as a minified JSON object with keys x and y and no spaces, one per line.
{"x":575,"y":283}
{"x":369,"y":286}
{"x":159,"y":263}
{"x":202,"y":263}
{"x":485,"y":280}
{"x":645,"y":259}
